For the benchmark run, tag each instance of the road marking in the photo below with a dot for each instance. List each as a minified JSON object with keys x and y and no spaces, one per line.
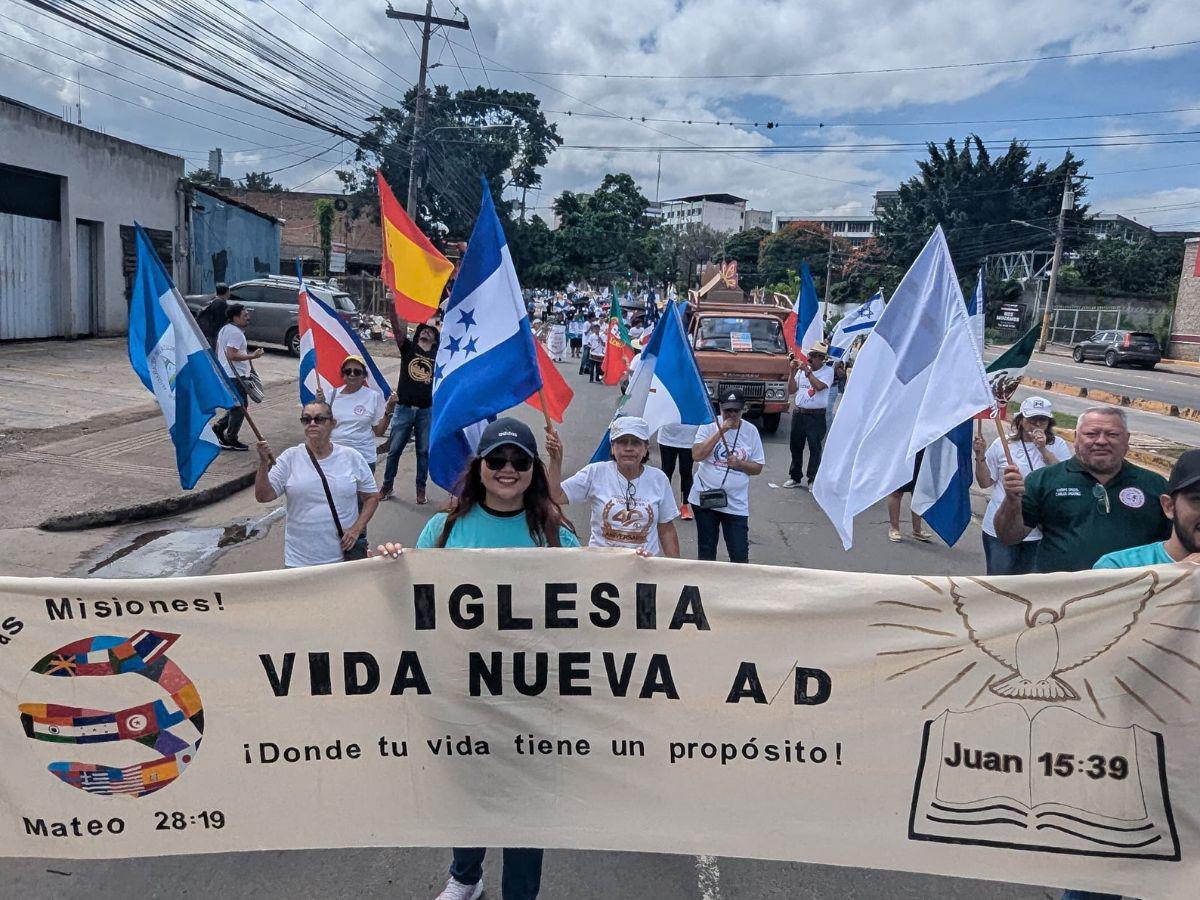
{"x":708,"y":878}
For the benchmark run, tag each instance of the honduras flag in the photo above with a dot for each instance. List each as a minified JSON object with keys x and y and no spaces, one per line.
{"x":856,"y":323}
{"x":171,"y":357}
{"x":942,"y":495}
{"x":918,"y":376}
{"x":325,"y":342}
{"x":666,"y":387}
{"x":487,"y":361}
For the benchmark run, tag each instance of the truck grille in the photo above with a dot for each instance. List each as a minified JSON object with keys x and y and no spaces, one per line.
{"x":751,"y":390}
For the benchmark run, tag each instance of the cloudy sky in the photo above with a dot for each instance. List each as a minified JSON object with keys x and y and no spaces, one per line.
{"x":1134,"y":116}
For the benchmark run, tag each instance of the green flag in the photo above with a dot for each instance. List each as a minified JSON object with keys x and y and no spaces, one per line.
{"x":1006,"y":371}
{"x":614,"y":312}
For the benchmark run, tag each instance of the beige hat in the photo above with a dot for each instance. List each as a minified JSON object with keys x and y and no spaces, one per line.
{"x":819,"y":347}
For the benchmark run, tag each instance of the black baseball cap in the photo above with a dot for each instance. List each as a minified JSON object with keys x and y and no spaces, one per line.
{"x":1186,"y":472}
{"x":733,"y":400}
{"x":504,"y":432}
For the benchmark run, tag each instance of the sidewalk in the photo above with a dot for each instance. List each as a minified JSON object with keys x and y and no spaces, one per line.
{"x":102,"y":454}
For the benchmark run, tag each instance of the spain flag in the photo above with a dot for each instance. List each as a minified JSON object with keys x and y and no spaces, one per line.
{"x":412,"y":267}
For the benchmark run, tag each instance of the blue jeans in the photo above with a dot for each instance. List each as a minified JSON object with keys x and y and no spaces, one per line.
{"x":710,"y":523}
{"x":522,"y":878}
{"x":1019,"y":559}
{"x":408,"y":421}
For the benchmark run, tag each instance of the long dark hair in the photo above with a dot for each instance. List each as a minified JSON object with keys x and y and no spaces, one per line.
{"x":543,"y":516}
{"x":1018,"y":429}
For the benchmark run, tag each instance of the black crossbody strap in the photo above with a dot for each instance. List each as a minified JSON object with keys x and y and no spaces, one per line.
{"x":337,"y":523}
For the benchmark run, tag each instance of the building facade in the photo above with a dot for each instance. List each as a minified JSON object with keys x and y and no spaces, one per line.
{"x":758,"y":218}
{"x":854,"y":229}
{"x":229,"y":241}
{"x":1184,"y":342}
{"x":69,"y":197}
{"x":721,"y":212}
{"x":301,"y":238}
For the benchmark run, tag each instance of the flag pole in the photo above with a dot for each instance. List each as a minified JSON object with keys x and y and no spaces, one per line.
{"x":1003,"y":440}
{"x":545,"y":411}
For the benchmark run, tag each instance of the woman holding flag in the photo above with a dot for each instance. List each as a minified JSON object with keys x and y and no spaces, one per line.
{"x":632,"y":505}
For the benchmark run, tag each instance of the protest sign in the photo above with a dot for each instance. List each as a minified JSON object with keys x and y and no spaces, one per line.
{"x":1036,"y":728}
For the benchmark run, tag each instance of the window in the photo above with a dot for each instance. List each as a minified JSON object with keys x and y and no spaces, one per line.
{"x":246,"y":293}
{"x":281,"y":295}
{"x":714,"y":333}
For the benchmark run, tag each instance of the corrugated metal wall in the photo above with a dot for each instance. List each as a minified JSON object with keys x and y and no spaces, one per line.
{"x":229,"y":244}
{"x":29,"y":277}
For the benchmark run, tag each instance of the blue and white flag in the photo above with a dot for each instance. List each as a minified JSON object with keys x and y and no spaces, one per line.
{"x":652,"y":314}
{"x":171,"y":357}
{"x":856,"y":323}
{"x":942,"y":494}
{"x":805,"y":326}
{"x":918,"y":376}
{"x":486,"y":362}
{"x":666,"y":387}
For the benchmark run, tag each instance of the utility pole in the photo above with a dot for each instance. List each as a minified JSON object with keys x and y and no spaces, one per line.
{"x":1068,"y":204}
{"x":428,"y":21}
{"x":828,"y":276}
{"x":658,"y":179}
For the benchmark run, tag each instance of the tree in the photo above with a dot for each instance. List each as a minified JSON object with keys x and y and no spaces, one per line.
{"x":976,"y":200}
{"x":795,"y":243}
{"x":743,"y":246}
{"x":535,"y":255}
{"x":605,"y":233}
{"x":260,"y":181}
{"x":324,"y":212}
{"x":1149,"y":266}
{"x":865,"y":271}
{"x":698,"y":244}
{"x":499,"y":135}
{"x":208,"y":178}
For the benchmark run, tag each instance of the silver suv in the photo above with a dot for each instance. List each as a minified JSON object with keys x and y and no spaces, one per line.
{"x":275,"y":308}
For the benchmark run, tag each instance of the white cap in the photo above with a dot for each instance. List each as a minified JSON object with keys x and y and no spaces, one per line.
{"x":1036,"y":406}
{"x":626,"y":425}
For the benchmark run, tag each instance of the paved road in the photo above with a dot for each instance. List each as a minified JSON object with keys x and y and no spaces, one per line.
{"x":1169,"y":387}
{"x":787,"y":528}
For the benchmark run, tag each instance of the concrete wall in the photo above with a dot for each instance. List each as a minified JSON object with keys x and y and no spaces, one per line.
{"x":228,"y":243}
{"x":105,"y":181}
{"x":721,"y":216}
{"x":1185,"y":329}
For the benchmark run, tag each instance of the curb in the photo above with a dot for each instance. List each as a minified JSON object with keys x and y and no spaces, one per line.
{"x":1153,"y":406}
{"x":155,"y":509}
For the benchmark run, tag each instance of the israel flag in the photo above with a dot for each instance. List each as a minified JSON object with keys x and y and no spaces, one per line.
{"x":854,"y":324}
{"x":171,"y":357}
{"x":487,"y":361}
{"x":918,"y":376}
{"x":666,"y":387}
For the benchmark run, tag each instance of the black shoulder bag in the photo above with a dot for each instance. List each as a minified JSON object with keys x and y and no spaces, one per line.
{"x":359,"y":550}
{"x":716,"y":498}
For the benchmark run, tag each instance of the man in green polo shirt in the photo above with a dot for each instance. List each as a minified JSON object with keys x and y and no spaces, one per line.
{"x":1089,"y":505}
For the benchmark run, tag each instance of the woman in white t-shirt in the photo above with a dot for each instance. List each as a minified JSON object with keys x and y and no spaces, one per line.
{"x":359,"y":411}
{"x":631,"y":503}
{"x":310,"y":535}
{"x":1033,"y":445}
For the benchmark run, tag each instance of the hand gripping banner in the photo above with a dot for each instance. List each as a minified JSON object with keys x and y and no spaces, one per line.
{"x":1040,"y":729}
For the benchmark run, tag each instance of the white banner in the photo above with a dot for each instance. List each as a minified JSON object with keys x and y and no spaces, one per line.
{"x":1037,"y":729}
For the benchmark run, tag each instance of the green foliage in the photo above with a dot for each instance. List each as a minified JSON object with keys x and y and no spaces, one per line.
{"x":743,"y":246}
{"x":459,"y":142}
{"x":603,"y":233}
{"x":260,"y":181}
{"x":865,"y":271}
{"x":1149,"y":266}
{"x":535,"y":256}
{"x":797,"y":242}
{"x":208,"y":178}
{"x":975,"y":199}
{"x":324,"y":213}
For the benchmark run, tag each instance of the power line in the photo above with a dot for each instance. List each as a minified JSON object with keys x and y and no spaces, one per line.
{"x":888,"y":70}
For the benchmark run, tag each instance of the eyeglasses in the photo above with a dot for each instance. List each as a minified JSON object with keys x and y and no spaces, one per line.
{"x":630,"y":494}
{"x":521,"y":462}
{"x":1101,"y":496}
{"x":314,"y":420}
{"x":353,"y":372}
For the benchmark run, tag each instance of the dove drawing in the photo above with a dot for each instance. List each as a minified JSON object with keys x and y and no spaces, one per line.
{"x":1037,"y":640}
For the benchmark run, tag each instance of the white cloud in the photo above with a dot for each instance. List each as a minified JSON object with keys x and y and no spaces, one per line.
{"x":1179,"y":207}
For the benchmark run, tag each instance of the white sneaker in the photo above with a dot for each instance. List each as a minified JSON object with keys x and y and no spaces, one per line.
{"x":792,"y":484}
{"x":456,"y":890}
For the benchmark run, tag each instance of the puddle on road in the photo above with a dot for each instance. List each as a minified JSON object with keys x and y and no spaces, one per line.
{"x":185,"y":551}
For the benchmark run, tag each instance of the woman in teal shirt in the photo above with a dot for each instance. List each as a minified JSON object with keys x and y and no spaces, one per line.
{"x":503,"y":501}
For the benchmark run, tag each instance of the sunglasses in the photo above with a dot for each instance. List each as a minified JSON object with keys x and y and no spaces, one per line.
{"x":314,"y":420}
{"x":353,"y":372}
{"x":521,"y":462}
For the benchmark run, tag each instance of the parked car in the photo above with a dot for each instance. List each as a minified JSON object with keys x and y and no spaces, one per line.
{"x":1116,"y":347}
{"x":275,"y":308}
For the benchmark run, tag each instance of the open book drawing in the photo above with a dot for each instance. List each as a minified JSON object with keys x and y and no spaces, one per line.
{"x":1057,"y":782}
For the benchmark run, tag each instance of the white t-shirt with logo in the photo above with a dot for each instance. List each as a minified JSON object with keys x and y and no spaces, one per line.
{"x":741,"y":444}
{"x":815,"y":399}
{"x":1028,"y":458}
{"x":309,"y":535}
{"x":357,"y":415}
{"x":677,"y":435}
{"x":595,"y":345}
{"x":232,"y":336}
{"x":620,"y":517}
